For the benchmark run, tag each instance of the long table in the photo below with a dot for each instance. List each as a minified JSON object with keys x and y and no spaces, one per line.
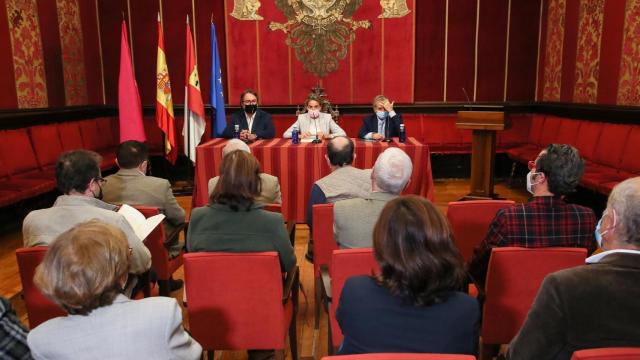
{"x":299,"y":166}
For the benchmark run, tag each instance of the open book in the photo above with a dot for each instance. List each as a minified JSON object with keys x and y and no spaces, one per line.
{"x":141,"y":225}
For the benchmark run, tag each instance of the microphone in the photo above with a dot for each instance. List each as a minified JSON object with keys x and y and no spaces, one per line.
{"x":386,"y":129}
{"x":467,"y":97}
{"x":315,"y":125}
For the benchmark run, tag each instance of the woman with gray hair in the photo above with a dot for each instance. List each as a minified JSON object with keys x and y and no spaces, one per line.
{"x":84,"y":271}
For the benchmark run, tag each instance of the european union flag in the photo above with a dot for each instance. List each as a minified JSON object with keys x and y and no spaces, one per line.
{"x":217,"y":94}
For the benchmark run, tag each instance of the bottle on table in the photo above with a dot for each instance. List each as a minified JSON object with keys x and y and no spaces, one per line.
{"x":403,"y":135}
{"x":295,"y":136}
{"x":236,"y":131}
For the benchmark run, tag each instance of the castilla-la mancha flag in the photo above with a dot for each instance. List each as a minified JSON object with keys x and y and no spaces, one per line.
{"x":194,"y":124}
{"x":164,"y":101}
{"x":131,"y":126}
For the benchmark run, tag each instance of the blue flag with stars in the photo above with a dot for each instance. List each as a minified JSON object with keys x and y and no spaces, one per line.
{"x":217,"y":94}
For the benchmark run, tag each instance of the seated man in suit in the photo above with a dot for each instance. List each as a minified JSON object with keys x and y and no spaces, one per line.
{"x":78,"y":177}
{"x":130,"y":185}
{"x":314,"y":123}
{"x":547,"y":219}
{"x":384,"y":119}
{"x":354,"y":219}
{"x":595,"y":305}
{"x":254,"y":123}
{"x":270,"y":193}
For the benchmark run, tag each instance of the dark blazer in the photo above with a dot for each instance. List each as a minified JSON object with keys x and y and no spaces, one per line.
{"x":375,"y":321}
{"x":370,"y":124}
{"x":588,"y":306}
{"x":262,"y":125}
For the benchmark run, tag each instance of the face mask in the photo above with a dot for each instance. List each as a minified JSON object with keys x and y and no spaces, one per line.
{"x":314,"y":114}
{"x":530,"y":181}
{"x":381,"y":114}
{"x":598,"y":235}
{"x":251,"y":108}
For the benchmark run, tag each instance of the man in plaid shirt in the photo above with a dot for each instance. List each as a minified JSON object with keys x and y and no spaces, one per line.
{"x":546,"y":220}
{"x":13,"y":336}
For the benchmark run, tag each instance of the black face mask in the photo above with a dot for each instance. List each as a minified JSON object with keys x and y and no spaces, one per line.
{"x":250,"y":109}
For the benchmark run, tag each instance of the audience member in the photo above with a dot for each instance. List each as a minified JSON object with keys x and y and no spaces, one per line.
{"x":414,"y":304}
{"x":270,"y":193}
{"x":233,"y":221}
{"x":373,"y":126}
{"x":13,"y":336}
{"x":344,"y":181}
{"x":79,"y":179}
{"x":547,"y":219}
{"x":314,"y":123}
{"x":130,"y":185}
{"x":253,"y":123}
{"x":595,"y":305}
{"x":354,"y":218}
{"x":84,"y":271}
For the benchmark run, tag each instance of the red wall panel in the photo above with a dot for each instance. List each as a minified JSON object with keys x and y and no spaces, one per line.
{"x":111,"y":14}
{"x":91,"y":48}
{"x":8,"y":97}
{"x":461,"y":49}
{"x":543,"y":50}
{"x":492,"y":47}
{"x":523,"y":49}
{"x":569,"y":49}
{"x":610,"y":51}
{"x":144,"y":43}
{"x":429,"y":73}
{"x":51,"y":51}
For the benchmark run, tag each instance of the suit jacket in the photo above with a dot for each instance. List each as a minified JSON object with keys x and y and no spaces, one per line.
{"x":41,"y":227}
{"x":150,"y":328}
{"x":270,"y":189}
{"x":262,"y":124}
{"x":324,"y":123}
{"x":216,"y":227}
{"x":354,"y":219}
{"x":588,"y":306}
{"x":370,"y":124}
{"x":130,"y":186}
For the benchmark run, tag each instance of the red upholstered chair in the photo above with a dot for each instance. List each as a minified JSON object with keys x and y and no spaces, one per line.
{"x":513,"y":279}
{"x":237,"y":301}
{"x":345,"y":264}
{"x":160,"y":261}
{"x":470,"y":221}
{"x":323,"y":246}
{"x":400,"y":357}
{"x":291,"y":225}
{"x":613,"y":353}
{"x":39,"y":308}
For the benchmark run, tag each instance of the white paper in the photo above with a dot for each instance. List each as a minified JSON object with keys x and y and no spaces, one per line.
{"x":141,"y":226}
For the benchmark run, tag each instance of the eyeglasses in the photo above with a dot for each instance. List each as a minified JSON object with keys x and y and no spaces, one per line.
{"x":100,"y":180}
{"x":250,"y":102}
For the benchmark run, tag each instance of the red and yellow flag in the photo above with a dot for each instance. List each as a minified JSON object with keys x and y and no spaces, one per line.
{"x":194,"y":124}
{"x":164,"y":101}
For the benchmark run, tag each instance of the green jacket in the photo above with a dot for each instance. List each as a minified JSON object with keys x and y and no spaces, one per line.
{"x":216,"y":227}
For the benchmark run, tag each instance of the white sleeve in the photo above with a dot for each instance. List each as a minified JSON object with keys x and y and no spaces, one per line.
{"x":287,"y":133}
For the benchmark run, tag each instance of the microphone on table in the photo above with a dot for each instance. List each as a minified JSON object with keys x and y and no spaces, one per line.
{"x":315,"y":124}
{"x":386,"y":129}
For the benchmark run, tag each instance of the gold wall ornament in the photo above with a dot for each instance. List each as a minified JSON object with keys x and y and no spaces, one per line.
{"x":393,"y":9}
{"x":319,"y":31}
{"x":246,"y":10}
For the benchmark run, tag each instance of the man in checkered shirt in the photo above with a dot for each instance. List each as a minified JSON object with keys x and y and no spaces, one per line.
{"x":546,"y":220}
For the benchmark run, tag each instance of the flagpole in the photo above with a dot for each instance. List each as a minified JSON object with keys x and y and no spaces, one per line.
{"x":187,"y":117}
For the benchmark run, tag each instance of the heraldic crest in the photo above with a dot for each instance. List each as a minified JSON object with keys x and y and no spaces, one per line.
{"x":319,"y":31}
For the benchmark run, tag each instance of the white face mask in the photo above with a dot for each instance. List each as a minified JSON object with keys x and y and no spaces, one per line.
{"x":314,"y":114}
{"x":530,"y":181}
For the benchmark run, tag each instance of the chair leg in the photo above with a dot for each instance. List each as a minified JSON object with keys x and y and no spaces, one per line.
{"x":511,"y":175}
{"x":488,"y":351}
{"x":318,"y":300}
{"x":279,"y":354}
{"x":163,"y":287}
{"x":211,"y":354}
{"x":293,"y":338}
{"x":330,"y":348}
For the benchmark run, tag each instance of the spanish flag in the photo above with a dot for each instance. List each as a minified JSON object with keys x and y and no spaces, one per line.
{"x":194,"y":124}
{"x":164,"y":101}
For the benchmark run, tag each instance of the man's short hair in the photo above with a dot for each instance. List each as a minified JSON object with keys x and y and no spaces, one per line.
{"x":248,"y":91}
{"x":563,"y":167}
{"x":625,"y":200}
{"x":379,"y":99}
{"x":340,"y":156}
{"x":75,"y":169}
{"x":392,"y":170}
{"x":235,"y":144}
{"x":131,"y":153}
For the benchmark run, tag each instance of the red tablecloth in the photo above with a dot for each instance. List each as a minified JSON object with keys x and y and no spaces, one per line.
{"x":299,"y":166}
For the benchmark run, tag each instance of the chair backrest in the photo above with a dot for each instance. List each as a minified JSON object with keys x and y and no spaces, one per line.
{"x":155,"y":243}
{"x":345,"y":264}
{"x":401,"y":356}
{"x":235,"y":300}
{"x":513,"y":279}
{"x":470,"y":221}
{"x":273,"y":208}
{"x":39,"y":308}
{"x":613,"y":353}
{"x":323,"y":241}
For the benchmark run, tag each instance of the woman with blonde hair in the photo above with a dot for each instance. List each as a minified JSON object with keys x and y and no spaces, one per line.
{"x":84,"y":271}
{"x":314,"y":123}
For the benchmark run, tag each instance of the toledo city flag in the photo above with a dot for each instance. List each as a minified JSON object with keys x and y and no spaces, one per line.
{"x":129,"y":107}
{"x":164,"y":101}
{"x":193,"y":107}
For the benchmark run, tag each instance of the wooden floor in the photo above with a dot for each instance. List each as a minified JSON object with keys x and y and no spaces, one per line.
{"x":311,"y":344}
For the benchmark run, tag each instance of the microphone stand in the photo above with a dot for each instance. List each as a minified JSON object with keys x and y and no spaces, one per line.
{"x":315,"y":124}
{"x":386,"y":129}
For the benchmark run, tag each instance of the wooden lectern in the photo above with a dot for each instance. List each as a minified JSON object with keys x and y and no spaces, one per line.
{"x":484,"y":125}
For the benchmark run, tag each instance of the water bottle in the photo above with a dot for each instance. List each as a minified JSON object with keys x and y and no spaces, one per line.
{"x":403,"y":134}
{"x":236,"y":131}
{"x":295,"y":137}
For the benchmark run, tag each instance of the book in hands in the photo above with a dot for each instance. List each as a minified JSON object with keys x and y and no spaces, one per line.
{"x":141,"y":225}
